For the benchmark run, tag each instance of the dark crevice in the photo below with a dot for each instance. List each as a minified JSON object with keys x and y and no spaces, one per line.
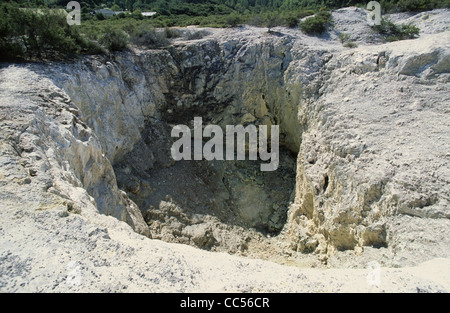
{"x":325,"y":183}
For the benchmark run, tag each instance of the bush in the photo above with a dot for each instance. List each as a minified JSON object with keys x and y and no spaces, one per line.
{"x":172,"y":33}
{"x":386,"y":27}
{"x":343,"y":38}
{"x":304,"y":13}
{"x":350,"y":44}
{"x":196,"y":35}
{"x":137,"y":15}
{"x":256,"y":20}
{"x":271,"y":20}
{"x":150,"y":38}
{"x":313,"y":26}
{"x":99,"y":16}
{"x":415,"y":5}
{"x":92,"y":47}
{"x":317,"y":24}
{"x":216,"y":21}
{"x":233,"y":20}
{"x":114,"y":39}
{"x":393,"y":32}
{"x":291,"y":20}
{"x":408,"y":31}
{"x":36,"y":34}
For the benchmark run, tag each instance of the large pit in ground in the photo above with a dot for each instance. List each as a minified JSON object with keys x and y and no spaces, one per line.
{"x":133,"y":101}
{"x":348,"y":200}
{"x":229,"y":206}
{"x":218,"y":205}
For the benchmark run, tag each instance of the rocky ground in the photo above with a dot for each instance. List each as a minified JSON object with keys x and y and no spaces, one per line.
{"x":91,"y":201}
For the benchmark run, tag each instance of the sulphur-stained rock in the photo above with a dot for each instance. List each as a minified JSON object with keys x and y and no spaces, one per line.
{"x":61,"y":152}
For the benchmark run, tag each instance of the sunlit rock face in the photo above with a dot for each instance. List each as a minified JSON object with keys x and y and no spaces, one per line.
{"x":364,"y":164}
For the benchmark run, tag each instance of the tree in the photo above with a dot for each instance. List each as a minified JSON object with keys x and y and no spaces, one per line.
{"x":137,"y":14}
{"x":234,"y":20}
{"x":30,"y":34}
{"x":291,"y":20}
{"x":116,"y":8}
{"x":271,"y":20}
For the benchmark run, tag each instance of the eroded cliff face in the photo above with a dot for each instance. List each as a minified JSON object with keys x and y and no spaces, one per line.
{"x":364,"y":143}
{"x":234,"y":82}
{"x":359,"y":182}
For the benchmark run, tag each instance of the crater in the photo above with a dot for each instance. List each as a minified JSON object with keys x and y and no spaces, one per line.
{"x":220,"y":205}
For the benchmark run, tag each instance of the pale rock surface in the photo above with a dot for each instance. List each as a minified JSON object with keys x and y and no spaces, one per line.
{"x":369,"y":127}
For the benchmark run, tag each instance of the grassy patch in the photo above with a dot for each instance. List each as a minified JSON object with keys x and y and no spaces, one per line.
{"x":345,"y":40}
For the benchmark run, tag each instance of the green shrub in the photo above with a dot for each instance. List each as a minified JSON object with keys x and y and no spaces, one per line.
{"x":99,"y":16}
{"x":150,"y":38}
{"x":386,"y":27}
{"x":393,"y":32}
{"x":313,"y":26}
{"x":304,"y":13}
{"x":233,"y":20}
{"x":345,"y":40}
{"x":114,"y":39}
{"x":408,"y":31}
{"x":317,"y":24}
{"x":350,"y":44}
{"x":137,"y":15}
{"x":343,"y":37}
{"x":32,"y":34}
{"x":93,"y":47}
{"x":196,"y":34}
{"x":271,"y":20}
{"x":415,"y":5}
{"x":256,"y":20}
{"x":172,"y":33}
{"x":291,"y":20}
{"x":10,"y":50}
